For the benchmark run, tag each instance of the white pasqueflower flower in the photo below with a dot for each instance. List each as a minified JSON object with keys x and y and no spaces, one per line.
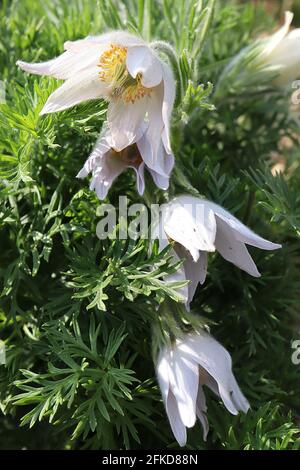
{"x":197,"y":226}
{"x":106,"y":164}
{"x":282,"y":51}
{"x":193,"y":361}
{"x":139,"y":87}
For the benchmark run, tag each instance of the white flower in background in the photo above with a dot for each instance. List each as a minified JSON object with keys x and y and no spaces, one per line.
{"x":282,"y":51}
{"x":122,"y":69}
{"x":106,"y":164}
{"x":197,"y":226}
{"x":196,"y":360}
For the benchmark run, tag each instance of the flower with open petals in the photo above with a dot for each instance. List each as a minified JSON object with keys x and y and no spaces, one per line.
{"x":193,"y":361}
{"x":196,"y":226}
{"x":139,"y":87}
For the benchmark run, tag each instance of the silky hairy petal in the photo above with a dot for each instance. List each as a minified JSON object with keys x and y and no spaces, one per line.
{"x":82,"y":87}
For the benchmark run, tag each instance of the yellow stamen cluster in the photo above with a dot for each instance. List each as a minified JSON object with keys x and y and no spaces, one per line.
{"x":114,"y":72}
{"x":135,"y":91}
{"x":113,"y":64}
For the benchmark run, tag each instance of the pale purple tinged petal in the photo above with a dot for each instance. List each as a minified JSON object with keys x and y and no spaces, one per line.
{"x":232,"y":250}
{"x":161,"y":182}
{"x":106,"y":170}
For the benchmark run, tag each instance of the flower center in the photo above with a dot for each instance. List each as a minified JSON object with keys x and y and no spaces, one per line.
{"x":114,"y":72}
{"x":130,"y":155}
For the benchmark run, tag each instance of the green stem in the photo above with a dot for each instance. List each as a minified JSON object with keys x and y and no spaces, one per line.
{"x":203,"y":34}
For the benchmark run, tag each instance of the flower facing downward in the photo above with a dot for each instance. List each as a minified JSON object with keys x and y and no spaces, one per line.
{"x":196,"y":226}
{"x":138,"y":85}
{"x":106,"y":164}
{"x":183,"y":369}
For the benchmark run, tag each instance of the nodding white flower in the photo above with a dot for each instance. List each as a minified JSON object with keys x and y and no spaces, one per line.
{"x":193,"y":361}
{"x":282,"y":50}
{"x":106,"y":164}
{"x":196,"y":226}
{"x":122,"y":69}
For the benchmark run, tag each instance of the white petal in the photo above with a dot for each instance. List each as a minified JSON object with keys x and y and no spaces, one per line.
{"x":155,"y":157}
{"x":84,"y":86}
{"x":235,"y":401}
{"x":285,"y":57}
{"x":87,"y":44}
{"x":191,"y":223}
{"x":176,"y":423}
{"x":242,"y":233}
{"x":107,"y":169}
{"x":233,"y":250}
{"x":294,"y":34}
{"x":66,"y":65}
{"x":179,"y":226}
{"x":163,"y":377}
{"x":277,"y":37}
{"x":125,"y":121}
{"x":141,"y":60}
{"x":140,"y":178}
{"x":247,"y":236}
{"x":216,"y":360}
{"x":153,"y":134}
{"x":168,"y":103}
{"x":162,"y":372}
{"x":227,"y":399}
{"x":201,"y":411}
{"x":161,"y":182}
{"x":122,"y":38}
{"x":184,"y":385}
{"x":101,"y":147}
